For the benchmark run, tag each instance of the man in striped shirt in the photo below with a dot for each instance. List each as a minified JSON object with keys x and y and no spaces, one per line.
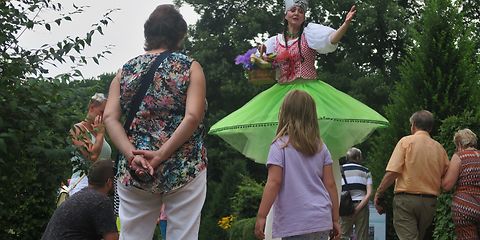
{"x":359,"y":183}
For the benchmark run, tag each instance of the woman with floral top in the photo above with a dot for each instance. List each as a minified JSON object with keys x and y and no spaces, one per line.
{"x":165,"y":138}
{"x":88,"y":139}
{"x":344,"y":121}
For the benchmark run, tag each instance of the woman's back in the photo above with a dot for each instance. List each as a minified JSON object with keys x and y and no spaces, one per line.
{"x":469,"y":177}
{"x":159,"y":115}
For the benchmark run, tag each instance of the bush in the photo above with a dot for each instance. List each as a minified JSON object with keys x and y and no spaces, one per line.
{"x":246,"y":200}
{"x":243,"y":229}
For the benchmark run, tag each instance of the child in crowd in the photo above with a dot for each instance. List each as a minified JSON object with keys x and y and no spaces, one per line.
{"x":300,"y":183}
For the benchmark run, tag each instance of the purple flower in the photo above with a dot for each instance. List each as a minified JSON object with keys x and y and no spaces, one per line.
{"x":244,"y":59}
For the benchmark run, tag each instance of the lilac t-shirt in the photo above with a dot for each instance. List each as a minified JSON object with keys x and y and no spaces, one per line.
{"x":303,"y":204}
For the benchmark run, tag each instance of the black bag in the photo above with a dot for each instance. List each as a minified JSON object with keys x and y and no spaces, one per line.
{"x":347,"y":208}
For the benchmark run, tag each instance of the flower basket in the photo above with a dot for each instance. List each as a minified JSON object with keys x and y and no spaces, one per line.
{"x":261,"y":76}
{"x":258,"y":70}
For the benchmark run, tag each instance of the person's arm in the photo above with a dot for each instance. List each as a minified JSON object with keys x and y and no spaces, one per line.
{"x":270,"y":192}
{"x":81,"y":139}
{"x":111,"y":118}
{"x":365,"y":199}
{"x":336,"y":36}
{"x":110,"y":236}
{"x":329,"y":181}
{"x":99,"y":129}
{"x":387,"y":181}
{"x":450,"y":178}
{"x":194,"y":113}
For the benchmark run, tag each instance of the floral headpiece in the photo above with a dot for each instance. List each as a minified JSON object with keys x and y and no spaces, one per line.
{"x":301,"y":3}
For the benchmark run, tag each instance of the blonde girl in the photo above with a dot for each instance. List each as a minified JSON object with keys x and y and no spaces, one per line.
{"x":300,"y":184}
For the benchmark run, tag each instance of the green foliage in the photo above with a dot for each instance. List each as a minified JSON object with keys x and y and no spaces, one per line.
{"x":222,"y":185}
{"x":245,"y":204}
{"x":243,"y":229}
{"x":35,"y":117}
{"x":444,"y":228}
{"x":18,"y":16}
{"x":34,"y":155}
{"x":247,"y":198}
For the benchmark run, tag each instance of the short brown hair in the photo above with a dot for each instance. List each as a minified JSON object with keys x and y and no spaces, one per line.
{"x":165,"y":28}
{"x":100,"y":172}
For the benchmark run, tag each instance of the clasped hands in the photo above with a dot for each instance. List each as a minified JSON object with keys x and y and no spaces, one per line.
{"x":145,"y":161}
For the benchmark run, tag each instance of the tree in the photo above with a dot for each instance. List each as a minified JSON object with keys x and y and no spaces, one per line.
{"x":35,"y":117}
{"x":437,"y":74}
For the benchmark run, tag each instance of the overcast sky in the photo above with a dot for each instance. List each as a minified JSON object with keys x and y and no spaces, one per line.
{"x":125,"y":33}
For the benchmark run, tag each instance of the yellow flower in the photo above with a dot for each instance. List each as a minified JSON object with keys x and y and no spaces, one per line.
{"x":226,"y":222}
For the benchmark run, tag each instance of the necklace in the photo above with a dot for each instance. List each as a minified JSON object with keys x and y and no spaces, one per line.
{"x":291,"y":35}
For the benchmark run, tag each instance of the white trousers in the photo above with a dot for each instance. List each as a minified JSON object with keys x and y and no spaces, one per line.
{"x":139,"y":210}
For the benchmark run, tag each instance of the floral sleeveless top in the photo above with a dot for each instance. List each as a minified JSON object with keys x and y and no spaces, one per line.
{"x":290,"y":62}
{"x":159,"y":115}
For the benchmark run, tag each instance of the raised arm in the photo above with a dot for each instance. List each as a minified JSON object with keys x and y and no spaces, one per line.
{"x":337,"y":35}
{"x":81,"y":139}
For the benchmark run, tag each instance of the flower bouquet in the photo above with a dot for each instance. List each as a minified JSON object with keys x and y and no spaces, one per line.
{"x":258,"y":71}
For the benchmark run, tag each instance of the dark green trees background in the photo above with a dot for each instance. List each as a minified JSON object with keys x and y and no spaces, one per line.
{"x":397,"y":57}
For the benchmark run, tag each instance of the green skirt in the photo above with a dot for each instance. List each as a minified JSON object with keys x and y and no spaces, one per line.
{"x":343,"y":120}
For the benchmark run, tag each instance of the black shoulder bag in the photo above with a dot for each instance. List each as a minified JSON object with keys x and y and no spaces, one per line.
{"x":346,"y":203}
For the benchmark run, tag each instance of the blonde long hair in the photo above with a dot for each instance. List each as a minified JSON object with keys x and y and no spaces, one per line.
{"x":298,"y":121}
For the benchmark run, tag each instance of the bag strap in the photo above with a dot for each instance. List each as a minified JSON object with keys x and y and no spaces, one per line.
{"x":76,"y":183}
{"x":145,"y":82}
{"x":343,"y":174}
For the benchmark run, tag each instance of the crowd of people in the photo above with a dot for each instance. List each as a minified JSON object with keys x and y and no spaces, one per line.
{"x":161,"y":168}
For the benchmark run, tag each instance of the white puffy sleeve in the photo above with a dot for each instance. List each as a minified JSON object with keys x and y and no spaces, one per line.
{"x":318,"y":38}
{"x":270,"y":44}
